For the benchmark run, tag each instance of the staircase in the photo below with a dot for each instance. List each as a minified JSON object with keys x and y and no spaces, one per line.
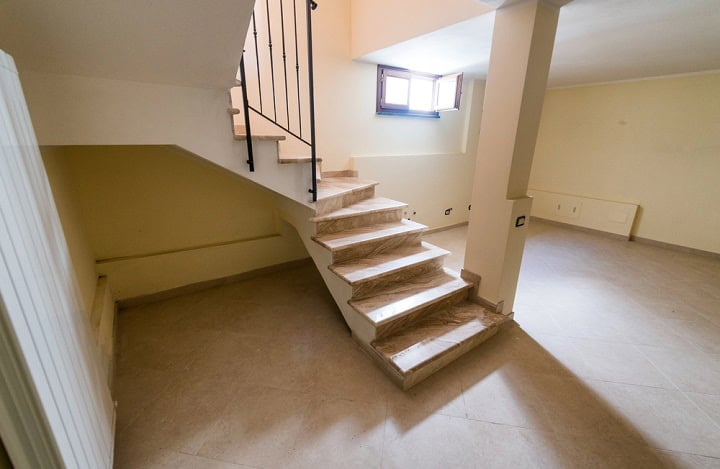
{"x":409,"y":313}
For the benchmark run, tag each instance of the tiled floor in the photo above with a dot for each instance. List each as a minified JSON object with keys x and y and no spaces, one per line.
{"x":615,"y":362}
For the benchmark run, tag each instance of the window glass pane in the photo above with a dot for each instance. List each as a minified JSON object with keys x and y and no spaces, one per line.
{"x":421,"y":94}
{"x":396,"y":90}
{"x":446,"y":94}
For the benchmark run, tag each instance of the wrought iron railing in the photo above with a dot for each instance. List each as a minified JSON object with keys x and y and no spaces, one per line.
{"x":297,"y":124}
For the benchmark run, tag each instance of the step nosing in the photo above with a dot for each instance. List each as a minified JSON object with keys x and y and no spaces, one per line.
{"x":347,"y":213}
{"x":347,"y":243}
{"x":447,"y":290}
{"x":422,"y":258}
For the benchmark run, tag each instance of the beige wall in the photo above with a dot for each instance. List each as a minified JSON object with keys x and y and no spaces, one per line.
{"x":158,"y":217}
{"x":654,"y":142}
{"x":65,"y":195}
{"x":377,"y":24}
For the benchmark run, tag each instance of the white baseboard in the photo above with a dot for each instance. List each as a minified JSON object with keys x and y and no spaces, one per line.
{"x":587,"y":212}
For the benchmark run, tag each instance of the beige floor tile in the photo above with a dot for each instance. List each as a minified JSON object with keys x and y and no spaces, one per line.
{"x":663,"y":418}
{"x":179,"y":420}
{"x":709,"y":403}
{"x":257,"y":428}
{"x":171,"y":459}
{"x":339,"y":433}
{"x":670,"y":459}
{"x":441,"y":393}
{"x":506,"y":397}
{"x":606,"y":361}
{"x":690,"y":371}
{"x":552,"y":450}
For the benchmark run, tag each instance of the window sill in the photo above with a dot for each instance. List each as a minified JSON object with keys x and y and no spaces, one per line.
{"x":408,"y":114}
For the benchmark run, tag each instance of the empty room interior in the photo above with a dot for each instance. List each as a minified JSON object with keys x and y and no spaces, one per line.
{"x":360,"y":233}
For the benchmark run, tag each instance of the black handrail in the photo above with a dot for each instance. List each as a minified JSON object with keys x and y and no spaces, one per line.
{"x":246,"y":108}
{"x":297,"y":133}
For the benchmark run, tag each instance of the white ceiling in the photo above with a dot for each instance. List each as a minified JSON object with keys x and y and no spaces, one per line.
{"x":158,"y":41}
{"x":597,"y":41}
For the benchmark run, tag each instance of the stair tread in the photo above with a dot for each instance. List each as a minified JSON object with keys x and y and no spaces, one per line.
{"x":404,"y":298}
{"x":290,"y":159}
{"x":260,"y":137}
{"x":331,"y":187}
{"x":365,"y":269}
{"x":347,"y":238}
{"x":434,"y":336}
{"x":241,"y":134}
{"x":373,"y":205}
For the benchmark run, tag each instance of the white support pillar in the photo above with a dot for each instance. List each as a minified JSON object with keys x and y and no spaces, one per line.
{"x":522,"y":47}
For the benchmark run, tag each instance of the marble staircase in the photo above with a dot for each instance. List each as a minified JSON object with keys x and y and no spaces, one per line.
{"x":409,"y":313}
{"x":419,"y":312}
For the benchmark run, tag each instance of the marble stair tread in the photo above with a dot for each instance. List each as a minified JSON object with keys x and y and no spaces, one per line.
{"x":404,"y":298}
{"x":337,"y":186}
{"x":367,"y":206}
{"x":365,"y":234}
{"x":296,"y":159}
{"x":456,"y":329}
{"x":260,"y":137}
{"x":387,"y":263}
{"x":241,"y":134}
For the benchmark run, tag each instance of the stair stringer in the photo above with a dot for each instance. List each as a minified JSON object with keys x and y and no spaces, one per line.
{"x":298,"y":216}
{"x":289,"y":180}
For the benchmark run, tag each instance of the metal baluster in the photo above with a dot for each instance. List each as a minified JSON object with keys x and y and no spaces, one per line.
{"x":311,"y":5}
{"x":284,"y":57}
{"x":257,"y":60}
{"x":272,"y":63}
{"x":297,"y":68}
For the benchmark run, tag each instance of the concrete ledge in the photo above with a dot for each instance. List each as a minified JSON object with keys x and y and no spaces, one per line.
{"x":199,"y":286}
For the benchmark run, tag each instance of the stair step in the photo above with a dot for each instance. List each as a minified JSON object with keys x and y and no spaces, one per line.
{"x":369,"y":240}
{"x":416,"y":352}
{"x":367,"y":206}
{"x":240,"y":134}
{"x":394,"y":307}
{"x":295,"y":159}
{"x":335,"y":193}
{"x":366,"y":212}
{"x":333,"y":187}
{"x":368,"y":274}
{"x":261,"y":137}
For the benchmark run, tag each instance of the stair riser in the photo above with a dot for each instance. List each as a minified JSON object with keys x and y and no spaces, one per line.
{"x":401,"y":322}
{"x":446,"y":358}
{"x":357,"y":221}
{"x":331,"y":204}
{"x":372,"y":248}
{"x":369,"y":287}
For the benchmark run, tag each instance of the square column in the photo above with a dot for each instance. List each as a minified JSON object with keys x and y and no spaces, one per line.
{"x":522,"y":46}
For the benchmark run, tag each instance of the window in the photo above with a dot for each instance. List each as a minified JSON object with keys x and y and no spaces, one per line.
{"x":406,"y":93}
